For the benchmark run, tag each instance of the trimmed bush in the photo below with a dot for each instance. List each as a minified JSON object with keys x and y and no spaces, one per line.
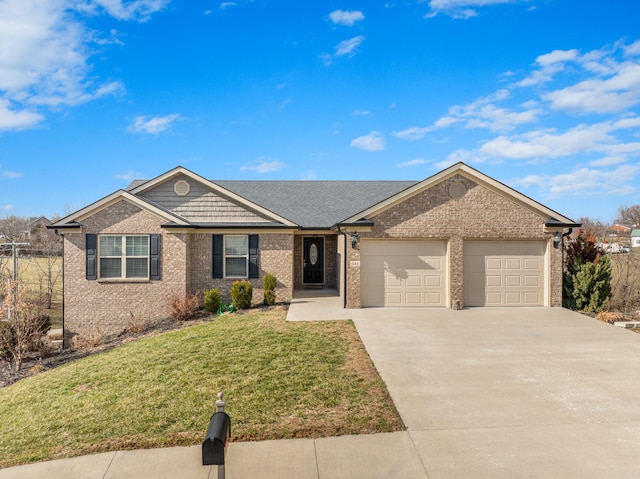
{"x":241,"y":294}
{"x":211,"y":300}
{"x":269,"y":283}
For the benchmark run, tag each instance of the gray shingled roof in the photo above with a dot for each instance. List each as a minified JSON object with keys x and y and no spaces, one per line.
{"x":311,"y":204}
{"x":315,"y":204}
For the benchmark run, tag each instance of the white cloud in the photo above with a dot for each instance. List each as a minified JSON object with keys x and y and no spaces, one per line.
{"x":265,"y":166}
{"x":482,"y":113}
{"x":11,"y":175}
{"x":16,"y":120}
{"x":45,"y":50}
{"x":348,"y":47}
{"x":129,"y":176}
{"x":413,"y":133}
{"x":8,"y":207}
{"x":374,"y":141}
{"x":361,"y":113}
{"x":556,"y":56}
{"x":153,"y":125}
{"x":344,"y":48}
{"x":140,"y":10}
{"x":225,"y":5}
{"x":584,"y":181}
{"x":416,"y":162}
{"x":463,"y":9}
{"x":610,"y":95}
{"x":346,"y":17}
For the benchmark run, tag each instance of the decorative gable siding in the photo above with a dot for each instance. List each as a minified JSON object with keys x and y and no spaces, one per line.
{"x":480,"y":213}
{"x":200,"y":204}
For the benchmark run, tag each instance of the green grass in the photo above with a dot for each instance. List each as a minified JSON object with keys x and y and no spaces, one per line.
{"x":281,"y":380}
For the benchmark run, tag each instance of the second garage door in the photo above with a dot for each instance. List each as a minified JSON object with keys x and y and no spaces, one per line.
{"x":504,"y":273}
{"x":403,"y":273}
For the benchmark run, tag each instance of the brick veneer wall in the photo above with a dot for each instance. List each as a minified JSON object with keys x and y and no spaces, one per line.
{"x":275,"y":256}
{"x":480,"y":214}
{"x":106,"y":306}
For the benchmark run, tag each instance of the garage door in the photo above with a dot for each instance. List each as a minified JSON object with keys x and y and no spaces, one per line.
{"x":504,"y":273}
{"x":403,"y":273}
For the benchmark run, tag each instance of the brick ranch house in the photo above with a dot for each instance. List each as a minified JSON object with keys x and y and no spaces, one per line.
{"x":456,"y":239}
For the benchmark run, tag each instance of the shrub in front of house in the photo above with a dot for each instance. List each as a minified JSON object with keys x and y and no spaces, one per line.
{"x":269,"y":283}
{"x":241,"y":294}
{"x":211,"y":300}
{"x":184,"y":308}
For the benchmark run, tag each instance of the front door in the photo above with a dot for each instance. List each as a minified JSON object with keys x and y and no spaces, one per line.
{"x":313,"y":265}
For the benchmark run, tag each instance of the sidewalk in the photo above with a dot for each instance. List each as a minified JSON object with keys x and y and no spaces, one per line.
{"x":388,"y":456}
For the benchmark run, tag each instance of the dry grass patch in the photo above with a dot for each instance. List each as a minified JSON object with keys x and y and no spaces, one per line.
{"x":281,"y":380}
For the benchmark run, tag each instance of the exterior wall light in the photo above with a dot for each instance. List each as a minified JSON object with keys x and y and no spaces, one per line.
{"x":557,"y":239}
{"x":354,"y":240}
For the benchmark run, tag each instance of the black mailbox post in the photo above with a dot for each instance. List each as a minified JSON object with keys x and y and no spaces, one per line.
{"x":215,"y":442}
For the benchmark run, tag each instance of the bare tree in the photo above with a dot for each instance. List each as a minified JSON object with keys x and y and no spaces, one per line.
{"x":596,"y":228}
{"x":22,"y":324}
{"x":14,"y":228}
{"x":625,"y":286}
{"x":629,"y":215}
{"x":49,"y":262}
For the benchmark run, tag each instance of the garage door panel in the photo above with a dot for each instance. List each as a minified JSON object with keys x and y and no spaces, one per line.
{"x":403,"y":273}
{"x":513,"y":263}
{"x":504,"y":273}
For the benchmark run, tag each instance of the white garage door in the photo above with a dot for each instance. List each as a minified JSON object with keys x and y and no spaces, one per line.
{"x":504,"y":273}
{"x":403,"y":273}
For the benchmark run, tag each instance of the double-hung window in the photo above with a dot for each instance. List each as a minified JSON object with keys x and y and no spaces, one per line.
{"x":236,"y":256}
{"x":123,"y":256}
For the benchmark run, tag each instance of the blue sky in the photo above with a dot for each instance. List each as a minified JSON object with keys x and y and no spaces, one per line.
{"x":543,"y":95}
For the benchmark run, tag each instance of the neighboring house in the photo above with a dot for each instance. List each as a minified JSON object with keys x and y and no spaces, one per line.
{"x":458,"y":238}
{"x":36,"y":223}
{"x":620,"y":230}
{"x":635,"y":238}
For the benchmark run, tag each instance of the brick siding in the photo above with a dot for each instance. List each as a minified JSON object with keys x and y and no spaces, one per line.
{"x":106,"y":306}
{"x":480,"y":214}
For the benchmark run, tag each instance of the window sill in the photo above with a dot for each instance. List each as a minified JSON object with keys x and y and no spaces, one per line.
{"x":124,"y":280}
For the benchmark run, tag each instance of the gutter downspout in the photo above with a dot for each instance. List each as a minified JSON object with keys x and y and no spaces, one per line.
{"x":57,"y":232}
{"x":344,"y":280}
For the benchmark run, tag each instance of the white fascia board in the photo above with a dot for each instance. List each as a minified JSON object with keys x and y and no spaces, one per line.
{"x":217,"y":188}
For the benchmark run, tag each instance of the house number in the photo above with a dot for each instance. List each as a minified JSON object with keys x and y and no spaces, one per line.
{"x":354,"y":264}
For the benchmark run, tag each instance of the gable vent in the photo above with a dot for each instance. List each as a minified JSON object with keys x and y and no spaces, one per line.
{"x":181,"y":188}
{"x":457,"y":190}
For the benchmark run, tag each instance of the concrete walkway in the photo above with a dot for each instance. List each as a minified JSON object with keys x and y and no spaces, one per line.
{"x":317,"y":305}
{"x":485,"y":393}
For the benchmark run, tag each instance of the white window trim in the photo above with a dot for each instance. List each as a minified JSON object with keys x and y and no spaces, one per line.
{"x":225,"y":256}
{"x":123,"y":258}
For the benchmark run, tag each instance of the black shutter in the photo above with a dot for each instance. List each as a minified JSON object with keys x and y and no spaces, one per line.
{"x":253,"y":256}
{"x":91,"y":243}
{"x":217,"y":256}
{"x":154,"y":257}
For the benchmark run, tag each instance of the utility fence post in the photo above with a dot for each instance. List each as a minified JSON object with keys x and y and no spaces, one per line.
{"x":214,"y":447}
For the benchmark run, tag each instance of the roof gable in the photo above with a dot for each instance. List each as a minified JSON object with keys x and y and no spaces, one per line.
{"x":76,"y":218}
{"x":470,"y":173}
{"x":210,"y":202}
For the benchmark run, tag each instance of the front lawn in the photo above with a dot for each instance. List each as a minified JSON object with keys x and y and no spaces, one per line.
{"x":281,"y":380}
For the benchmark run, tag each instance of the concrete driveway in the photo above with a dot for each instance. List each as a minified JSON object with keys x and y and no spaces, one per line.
{"x":505,"y":393}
